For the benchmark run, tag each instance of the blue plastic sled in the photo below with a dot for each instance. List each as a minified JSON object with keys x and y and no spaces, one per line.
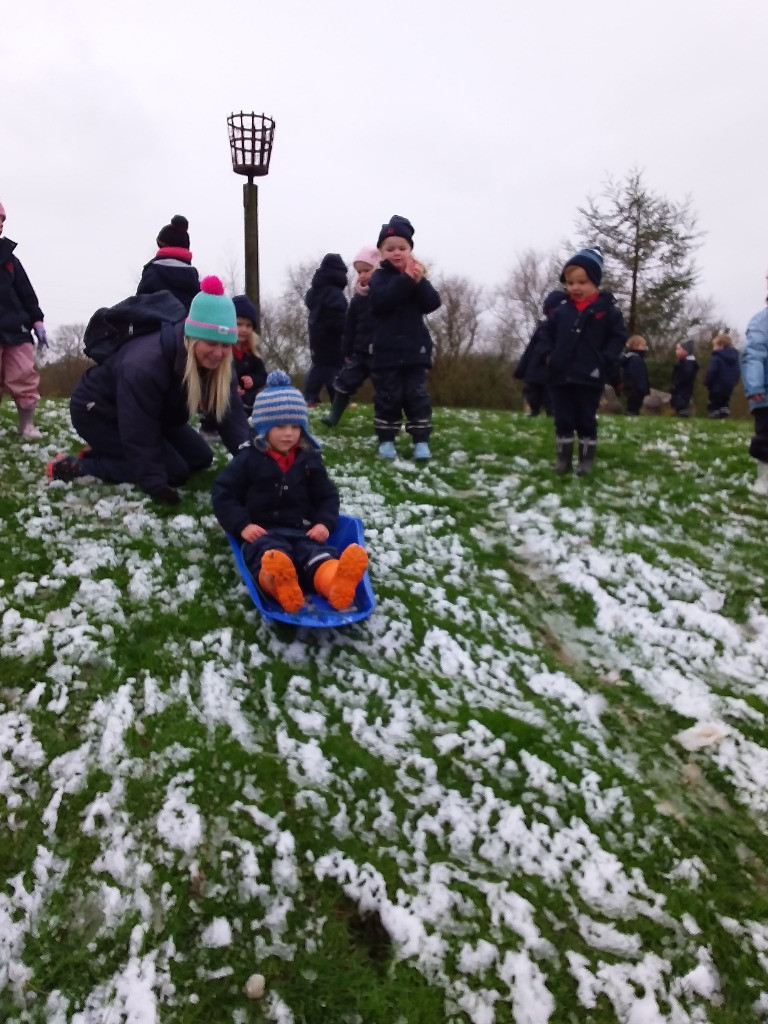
{"x":316,"y":613}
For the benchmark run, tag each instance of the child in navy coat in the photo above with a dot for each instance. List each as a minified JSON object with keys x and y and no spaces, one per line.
{"x":635,"y":374}
{"x":249,"y":366}
{"x":171,"y":268}
{"x":532,"y":366}
{"x":721,"y":377}
{"x":400,"y":297}
{"x":277,"y":497}
{"x":583,"y":342}
{"x":683,"y":377}
{"x":327,"y":305}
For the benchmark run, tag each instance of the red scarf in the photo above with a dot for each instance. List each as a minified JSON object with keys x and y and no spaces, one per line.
{"x":284,"y":461}
{"x":582,"y":305}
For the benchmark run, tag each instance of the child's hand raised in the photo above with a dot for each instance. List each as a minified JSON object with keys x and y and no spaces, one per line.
{"x":318,"y":532}
{"x":414,"y":269}
{"x":252,"y":532}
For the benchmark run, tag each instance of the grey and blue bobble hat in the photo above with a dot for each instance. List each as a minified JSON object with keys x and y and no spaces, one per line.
{"x":280,"y":404}
{"x":590,"y":261}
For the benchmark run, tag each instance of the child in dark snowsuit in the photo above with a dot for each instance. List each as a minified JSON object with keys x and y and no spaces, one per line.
{"x":171,"y":268}
{"x":277,"y":497}
{"x":583,"y":341}
{"x":249,"y":366}
{"x":532,"y":367}
{"x":721,"y":377}
{"x":327,"y":305}
{"x":635,"y":374}
{"x":400,"y":296}
{"x":357,"y":341}
{"x":683,"y":377}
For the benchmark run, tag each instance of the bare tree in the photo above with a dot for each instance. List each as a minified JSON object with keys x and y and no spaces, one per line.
{"x":517,"y":302}
{"x":64,"y":362}
{"x":457,"y":325}
{"x":284,"y":336}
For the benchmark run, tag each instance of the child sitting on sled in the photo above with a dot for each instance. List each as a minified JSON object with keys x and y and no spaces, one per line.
{"x":277,"y":497}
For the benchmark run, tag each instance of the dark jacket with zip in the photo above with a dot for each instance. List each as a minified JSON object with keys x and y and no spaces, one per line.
{"x":398,"y":307}
{"x":327,"y":305}
{"x":19,"y":308}
{"x":173,"y":274}
{"x":142,"y":387}
{"x":683,"y":377}
{"x":254,"y":489}
{"x":358,"y":330}
{"x":635,"y":373}
{"x":532,"y":365}
{"x":583,"y":348}
{"x":723,"y":371}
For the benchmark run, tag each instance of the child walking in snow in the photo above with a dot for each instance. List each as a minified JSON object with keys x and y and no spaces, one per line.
{"x":357,"y":341}
{"x":327,"y":305}
{"x":400,"y":296}
{"x":683,"y":377}
{"x":277,"y":497}
{"x":583,"y":341}
{"x":171,"y":268}
{"x":721,"y":377}
{"x":20,"y":317}
{"x":532,"y":368}
{"x":635,"y":374}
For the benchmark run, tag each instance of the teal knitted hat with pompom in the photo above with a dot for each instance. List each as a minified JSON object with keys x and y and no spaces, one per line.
{"x":212,"y":315}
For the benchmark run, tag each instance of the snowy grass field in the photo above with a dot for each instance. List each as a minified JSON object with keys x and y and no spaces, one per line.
{"x":532,"y":788}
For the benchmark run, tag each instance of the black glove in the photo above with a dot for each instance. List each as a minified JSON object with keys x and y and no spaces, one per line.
{"x":165,"y":495}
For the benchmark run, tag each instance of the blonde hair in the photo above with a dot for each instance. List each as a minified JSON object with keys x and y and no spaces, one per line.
{"x":635,"y":340}
{"x":255,"y":343}
{"x":723,"y":341}
{"x":212,"y":393}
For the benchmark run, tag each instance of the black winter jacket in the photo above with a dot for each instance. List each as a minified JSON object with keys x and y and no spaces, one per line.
{"x":635,"y":373}
{"x":683,"y":377}
{"x":723,"y":371}
{"x":398,"y":306}
{"x":254,"y":489}
{"x":170,"y":274}
{"x":358,"y":330}
{"x":532,"y":365}
{"x":584,"y":348}
{"x":141,"y":386}
{"x":19,"y":308}
{"x":249,"y":365}
{"x":327,"y":305}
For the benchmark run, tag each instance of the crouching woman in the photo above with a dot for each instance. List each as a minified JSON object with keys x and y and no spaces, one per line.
{"x":133,"y":410}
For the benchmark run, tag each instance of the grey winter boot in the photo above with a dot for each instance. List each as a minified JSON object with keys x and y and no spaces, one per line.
{"x":587,"y":450}
{"x":564,"y":454}
{"x":339,"y":404}
{"x":27,"y":428}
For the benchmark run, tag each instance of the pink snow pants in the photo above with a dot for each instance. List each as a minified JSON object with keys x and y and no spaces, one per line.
{"x":18,"y":376}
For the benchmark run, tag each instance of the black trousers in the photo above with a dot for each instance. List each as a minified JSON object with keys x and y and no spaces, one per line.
{"x":634,"y":401}
{"x":758,"y":446}
{"x":574,"y":408}
{"x":352,"y":375}
{"x":402,"y":389}
{"x":306,"y":554}
{"x":719,"y":399}
{"x":537,"y":397}
{"x":320,"y":374}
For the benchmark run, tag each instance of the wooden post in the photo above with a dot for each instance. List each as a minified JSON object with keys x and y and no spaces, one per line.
{"x":251,"y":213}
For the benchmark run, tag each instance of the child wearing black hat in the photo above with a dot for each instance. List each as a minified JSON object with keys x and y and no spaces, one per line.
{"x":400,"y":296}
{"x":171,"y":267}
{"x":277,"y":497}
{"x":249,"y":366}
{"x":532,"y":368}
{"x":683,"y":377}
{"x":583,"y":341}
{"x":327,"y":305}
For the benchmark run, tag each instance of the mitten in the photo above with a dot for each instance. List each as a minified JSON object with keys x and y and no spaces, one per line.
{"x":165,"y":495}
{"x":42,"y":337}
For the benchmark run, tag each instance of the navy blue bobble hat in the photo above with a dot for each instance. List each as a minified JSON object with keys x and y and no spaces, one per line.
{"x":552,"y":300}
{"x":397,"y":227}
{"x":280,"y":404}
{"x":590,"y":261}
{"x":246,"y":310}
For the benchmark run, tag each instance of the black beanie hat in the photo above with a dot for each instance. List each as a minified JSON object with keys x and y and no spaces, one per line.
{"x":552,"y":300}
{"x":398,"y":227}
{"x":590,"y":261}
{"x":246,"y":310}
{"x":688,"y":346}
{"x":175,"y":235}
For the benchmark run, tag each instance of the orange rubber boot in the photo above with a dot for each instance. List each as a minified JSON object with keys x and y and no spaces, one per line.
{"x":277,"y":576}
{"x":337,"y":580}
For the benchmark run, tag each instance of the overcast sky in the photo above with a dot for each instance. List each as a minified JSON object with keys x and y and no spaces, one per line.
{"x":487,"y":123}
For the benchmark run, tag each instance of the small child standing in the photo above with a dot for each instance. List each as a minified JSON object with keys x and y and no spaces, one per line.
{"x":400,"y":297}
{"x":635,"y":374}
{"x":357,"y":341}
{"x":277,"y":497}
{"x":583,"y":342}
{"x":171,"y":267}
{"x":721,"y":377}
{"x":683,"y":377}
{"x":249,"y":366}
{"x":532,"y":368}
{"x":754,"y":374}
{"x":327,"y":305}
{"x":20,"y":317}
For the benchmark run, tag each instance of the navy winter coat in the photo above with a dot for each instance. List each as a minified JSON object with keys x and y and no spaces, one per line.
{"x":683,"y":377}
{"x":141,"y":386}
{"x":398,"y":306}
{"x":584,"y":348}
{"x":170,"y":274}
{"x":635,"y":373}
{"x":532,"y":365}
{"x":358,"y":330}
{"x":249,"y":365}
{"x":19,"y":308}
{"x":254,"y":489}
{"x":723,"y":371}
{"x":327,"y":305}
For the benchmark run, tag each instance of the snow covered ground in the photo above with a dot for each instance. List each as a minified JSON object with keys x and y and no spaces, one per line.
{"x":540,"y":767}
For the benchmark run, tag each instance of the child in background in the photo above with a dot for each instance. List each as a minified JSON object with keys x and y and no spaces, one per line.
{"x":327,"y":305}
{"x":583,"y":341}
{"x":20,"y":317}
{"x":532,"y":368}
{"x":400,"y":296}
{"x":754,"y":374}
{"x":357,"y":341}
{"x":277,"y":497}
{"x":171,"y":268}
{"x":721,"y":377}
{"x":249,"y":366}
{"x":683,"y":377}
{"x":635,"y":374}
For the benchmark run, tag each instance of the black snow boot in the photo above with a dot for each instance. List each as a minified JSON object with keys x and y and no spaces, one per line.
{"x":587,"y":450}
{"x":339,"y":404}
{"x":564,"y":454}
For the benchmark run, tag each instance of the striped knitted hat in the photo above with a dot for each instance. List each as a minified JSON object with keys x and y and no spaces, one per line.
{"x":280,"y":404}
{"x":212,"y":315}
